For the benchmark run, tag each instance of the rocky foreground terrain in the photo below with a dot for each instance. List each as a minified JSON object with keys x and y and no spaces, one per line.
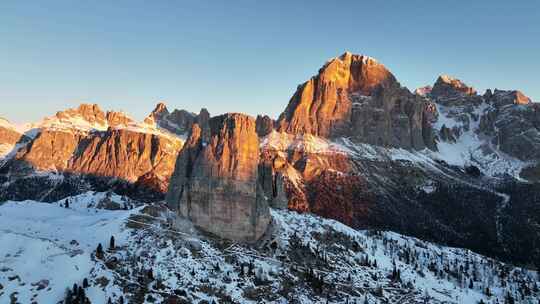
{"x":443,"y":164}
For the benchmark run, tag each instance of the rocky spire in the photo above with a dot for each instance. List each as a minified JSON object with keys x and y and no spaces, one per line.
{"x":160,"y":110}
{"x":177,"y":121}
{"x":215,"y":183}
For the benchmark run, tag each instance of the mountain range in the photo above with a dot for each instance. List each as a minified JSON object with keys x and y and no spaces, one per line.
{"x":443,"y":164}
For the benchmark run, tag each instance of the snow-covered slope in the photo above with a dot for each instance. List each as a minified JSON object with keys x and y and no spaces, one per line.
{"x":46,"y":248}
{"x":471,"y":147}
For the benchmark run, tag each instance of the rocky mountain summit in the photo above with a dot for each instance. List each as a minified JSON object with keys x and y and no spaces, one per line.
{"x":447,"y":86}
{"x":357,"y":97}
{"x":178,"y":122}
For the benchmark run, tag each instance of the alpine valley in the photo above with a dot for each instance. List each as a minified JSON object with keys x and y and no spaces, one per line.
{"x":361,"y":191}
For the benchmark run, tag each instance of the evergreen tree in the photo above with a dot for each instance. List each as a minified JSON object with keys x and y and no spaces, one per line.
{"x":68,"y":297}
{"x":250,"y":268}
{"x":471,"y":285}
{"x":509,"y":299}
{"x":66,"y":203}
{"x":85,"y":283}
{"x":99,"y":251}
{"x":111,"y":243}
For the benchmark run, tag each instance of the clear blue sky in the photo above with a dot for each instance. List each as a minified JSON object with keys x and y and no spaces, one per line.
{"x":247,"y":56}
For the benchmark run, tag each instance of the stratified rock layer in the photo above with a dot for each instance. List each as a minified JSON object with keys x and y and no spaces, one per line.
{"x":215,"y":182}
{"x":118,"y":152}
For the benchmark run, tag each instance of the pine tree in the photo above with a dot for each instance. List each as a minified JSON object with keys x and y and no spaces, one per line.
{"x":85,"y":283}
{"x":471,"y":285}
{"x":111,"y":243}
{"x":68,"y":297}
{"x":250,"y":268}
{"x":509,"y":299}
{"x":66,"y":203}
{"x":99,"y":251}
{"x":109,"y":301}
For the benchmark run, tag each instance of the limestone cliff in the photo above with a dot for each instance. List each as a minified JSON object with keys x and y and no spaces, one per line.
{"x":355,"y":96}
{"x":87,"y":141}
{"x":215,"y":182}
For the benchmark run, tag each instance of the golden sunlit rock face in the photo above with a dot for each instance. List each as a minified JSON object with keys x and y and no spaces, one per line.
{"x":322,"y":104}
{"x":129,"y":155}
{"x":357,"y":97}
{"x":215,"y":183}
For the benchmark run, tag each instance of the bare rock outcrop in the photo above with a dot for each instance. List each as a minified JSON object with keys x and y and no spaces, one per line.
{"x":501,"y":98}
{"x":117,"y":119}
{"x":447,"y":86}
{"x":514,"y":124}
{"x":264,"y":125}
{"x":355,"y":96}
{"x":452,"y":92}
{"x":125,"y":154}
{"x":8,"y":134}
{"x":177,"y":121}
{"x":75,"y":142}
{"x":215,"y":182}
{"x":90,"y":113}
